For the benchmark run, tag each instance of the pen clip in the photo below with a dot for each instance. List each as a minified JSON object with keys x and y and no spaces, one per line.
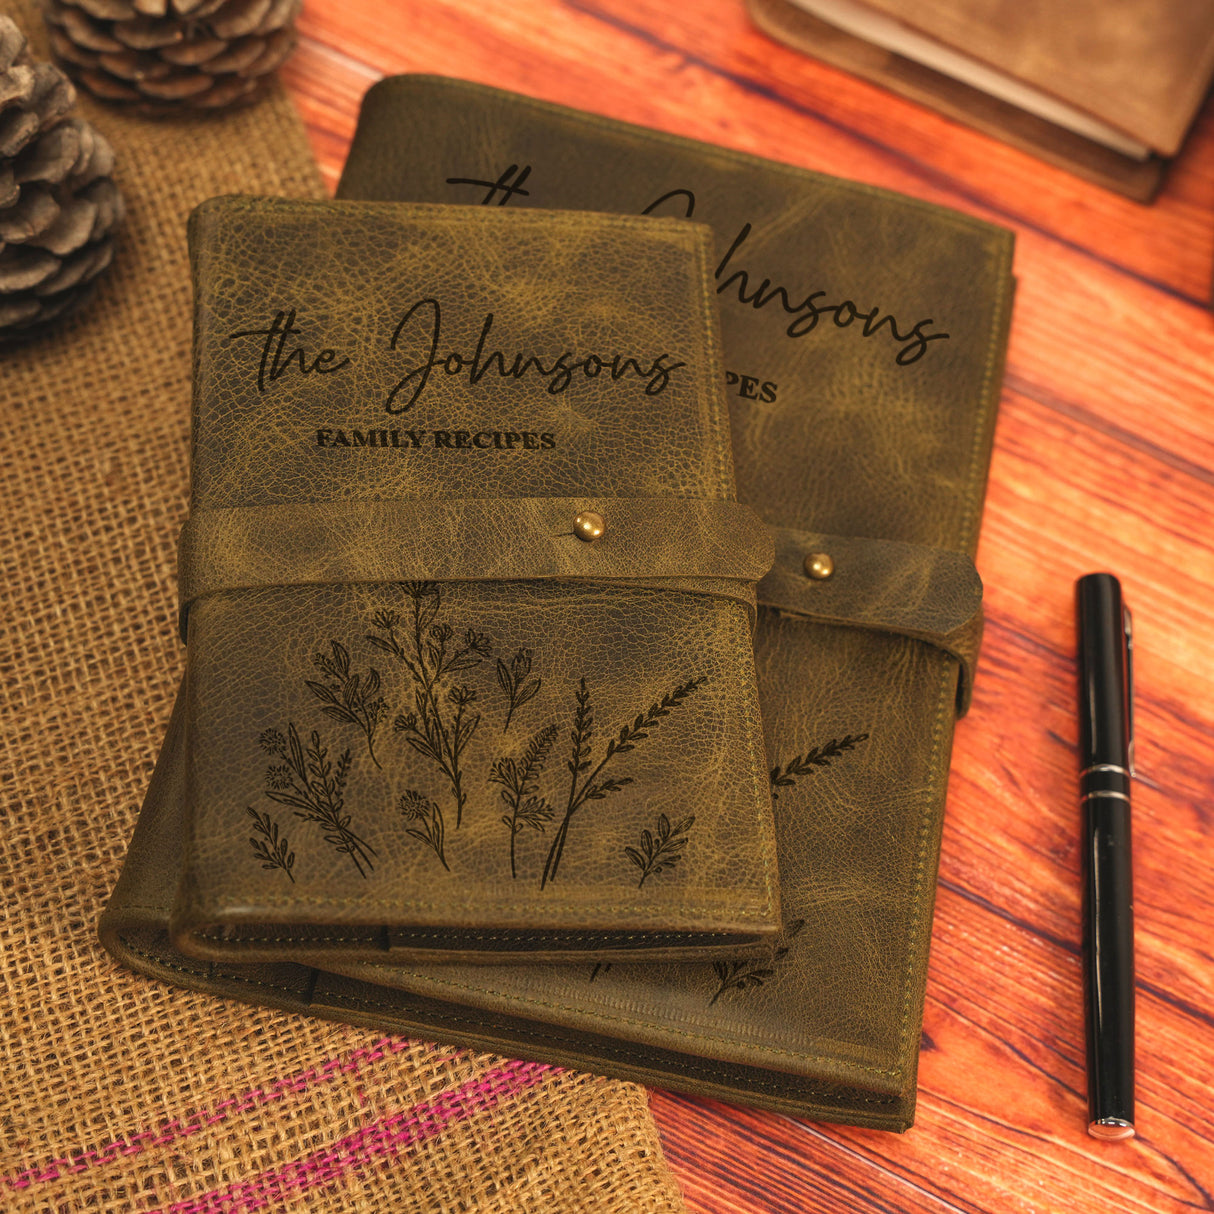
{"x":1128,"y":625}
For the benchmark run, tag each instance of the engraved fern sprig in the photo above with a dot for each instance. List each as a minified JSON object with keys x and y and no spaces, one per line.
{"x":804,"y":765}
{"x":426,"y":819}
{"x":513,"y":680}
{"x":592,"y":788}
{"x":518,"y":780}
{"x":314,"y":788}
{"x":442,"y":721}
{"x":348,"y":697}
{"x":745,"y":975}
{"x":661,"y":850}
{"x":272,"y":849}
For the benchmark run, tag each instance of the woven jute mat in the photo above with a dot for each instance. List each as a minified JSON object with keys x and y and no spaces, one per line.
{"x":117,"y":1092}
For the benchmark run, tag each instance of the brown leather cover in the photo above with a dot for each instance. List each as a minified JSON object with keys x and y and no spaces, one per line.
{"x":1092,"y":55}
{"x":862,"y":433}
{"x":426,"y":718}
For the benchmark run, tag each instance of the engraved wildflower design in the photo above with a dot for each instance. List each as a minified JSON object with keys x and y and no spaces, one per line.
{"x":272,"y":849}
{"x":592,"y":787}
{"x":278,"y":777}
{"x":804,"y":765}
{"x":348,"y":697}
{"x":513,"y":679}
{"x":307,"y":782}
{"x":444,"y":716}
{"x":662,"y":848}
{"x":518,"y":779}
{"x":426,"y":822}
{"x":438,"y":668}
{"x":745,"y":975}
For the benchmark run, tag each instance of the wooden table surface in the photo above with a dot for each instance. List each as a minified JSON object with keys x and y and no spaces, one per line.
{"x":1104,"y":459}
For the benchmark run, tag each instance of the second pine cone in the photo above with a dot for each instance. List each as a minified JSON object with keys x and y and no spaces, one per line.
{"x":169,"y":55}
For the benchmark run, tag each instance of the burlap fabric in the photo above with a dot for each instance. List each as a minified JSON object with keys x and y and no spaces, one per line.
{"x":119,"y":1093}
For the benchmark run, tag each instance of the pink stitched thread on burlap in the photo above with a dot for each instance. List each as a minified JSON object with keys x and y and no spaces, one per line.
{"x":183,"y":1127}
{"x":382,"y":1138}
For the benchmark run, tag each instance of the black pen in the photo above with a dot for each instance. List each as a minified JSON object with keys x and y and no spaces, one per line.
{"x":1106,"y":764}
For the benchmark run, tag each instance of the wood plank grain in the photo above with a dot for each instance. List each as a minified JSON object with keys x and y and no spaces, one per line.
{"x":776,"y":1165}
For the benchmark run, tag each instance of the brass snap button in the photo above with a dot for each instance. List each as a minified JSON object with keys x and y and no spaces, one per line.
{"x":588,"y":526}
{"x":819,"y":566}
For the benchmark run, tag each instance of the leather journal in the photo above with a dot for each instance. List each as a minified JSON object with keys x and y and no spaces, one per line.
{"x":1106,"y":91}
{"x":466,"y":594}
{"x":864,"y":336}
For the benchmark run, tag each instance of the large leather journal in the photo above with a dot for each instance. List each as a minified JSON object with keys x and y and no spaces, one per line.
{"x":1107,"y":91}
{"x":864,"y":335}
{"x":466,"y":595}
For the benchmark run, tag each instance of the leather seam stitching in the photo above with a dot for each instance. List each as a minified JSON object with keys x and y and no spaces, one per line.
{"x":986,"y":415}
{"x":944,"y":697}
{"x":688,"y":1033}
{"x":373,"y":932}
{"x":758,"y":763}
{"x":711,"y":342}
{"x":353,"y":1000}
{"x":709,"y":908}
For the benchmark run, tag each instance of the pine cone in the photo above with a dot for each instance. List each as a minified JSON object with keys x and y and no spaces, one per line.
{"x":166,"y":55}
{"x":58,"y":204}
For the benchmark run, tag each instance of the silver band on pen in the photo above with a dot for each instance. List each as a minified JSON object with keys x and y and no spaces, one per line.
{"x":1106,"y":767}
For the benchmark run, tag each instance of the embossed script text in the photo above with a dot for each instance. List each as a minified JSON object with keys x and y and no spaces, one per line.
{"x":418,"y":340}
{"x":420,"y":332}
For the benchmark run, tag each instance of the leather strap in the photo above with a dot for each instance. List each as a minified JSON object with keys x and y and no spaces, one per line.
{"x":703,"y":546}
{"x":931,"y":594}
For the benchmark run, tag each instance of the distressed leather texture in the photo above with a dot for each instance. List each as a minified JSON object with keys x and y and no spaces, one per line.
{"x":833,"y":437}
{"x":425,"y":718}
{"x":702,"y":546}
{"x":930,"y":594}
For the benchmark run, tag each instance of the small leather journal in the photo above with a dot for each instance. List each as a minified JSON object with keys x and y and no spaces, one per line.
{"x":466,"y":594}
{"x":864,"y":335}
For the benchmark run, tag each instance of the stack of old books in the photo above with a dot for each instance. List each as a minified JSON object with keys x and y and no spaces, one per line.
{"x":578,"y":599}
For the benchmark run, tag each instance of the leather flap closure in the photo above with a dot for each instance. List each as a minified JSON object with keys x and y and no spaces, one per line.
{"x":667,"y":540}
{"x":930,"y":594}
